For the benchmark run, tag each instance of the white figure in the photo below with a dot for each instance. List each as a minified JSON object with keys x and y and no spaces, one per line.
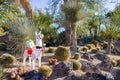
{"x":34,"y":52}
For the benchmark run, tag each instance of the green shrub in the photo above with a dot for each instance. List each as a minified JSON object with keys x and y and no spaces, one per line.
{"x":2,"y":46}
{"x":94,"y":50}
{"x":63,"y":53}
{"x":77,"y":56}
{"x":90,"y":46}
{"x":45,"y":70}
{"x":76,"y":65}
{"x":1,"y":71}
{"x":7,"y":60}
{"x":51,"y":50}
{"x":85,"y":49}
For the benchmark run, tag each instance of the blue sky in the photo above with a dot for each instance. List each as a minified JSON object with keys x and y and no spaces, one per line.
{"x":41,"y":4}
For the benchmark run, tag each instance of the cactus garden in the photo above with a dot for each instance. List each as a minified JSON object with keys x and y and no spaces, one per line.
{"x":59,"y":39}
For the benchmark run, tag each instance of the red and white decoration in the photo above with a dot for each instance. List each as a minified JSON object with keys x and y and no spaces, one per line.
{"x":34,"y":51}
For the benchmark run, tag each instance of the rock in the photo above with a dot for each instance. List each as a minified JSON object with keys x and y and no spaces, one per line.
{"x":105,"y":66}
{"x":102,"y":57}
{"x":116,"y":73}
{"x":87,"y":56}
{"x":96,"y":76}
{"x":34,"y":75}
{"x":89,"y":67}
{"x":63,"y":68}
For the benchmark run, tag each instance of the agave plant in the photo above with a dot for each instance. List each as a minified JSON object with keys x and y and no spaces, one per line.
{"x":20,"y":31}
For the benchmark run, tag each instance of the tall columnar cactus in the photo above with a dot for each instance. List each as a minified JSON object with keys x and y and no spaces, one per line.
{"x":63,"y":53}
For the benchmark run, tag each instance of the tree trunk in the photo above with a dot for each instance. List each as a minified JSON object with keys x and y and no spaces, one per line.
{"x":108,"y":51}
{"x":73,"y":37}
{"x":67,"y":35}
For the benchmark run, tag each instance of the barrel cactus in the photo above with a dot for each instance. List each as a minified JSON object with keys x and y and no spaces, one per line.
{"x":77,"y":56}
{"x":94,"y":50}
{"x":63,"y":53}
{"x":51,"y":50}
{"x":90,"y":46}
{"x":85,"y":49}
{"x":45,"y":70}
{"x":7,"y":60}
{"x":77,"y":65}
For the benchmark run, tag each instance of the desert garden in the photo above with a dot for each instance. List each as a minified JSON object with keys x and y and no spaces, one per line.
{"x":73,"y":40}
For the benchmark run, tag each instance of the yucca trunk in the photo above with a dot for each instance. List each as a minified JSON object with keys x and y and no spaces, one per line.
{"x":108,"y":51}
{"x":73,"y":37}
{"x":67,"y":36}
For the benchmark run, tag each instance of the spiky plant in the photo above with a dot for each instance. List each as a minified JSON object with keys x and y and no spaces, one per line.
{"x":90,"y":46}
{"x":94,"y":50}
{"x":45,"y":70}
{"x":6,"y":60}
{"x":51,"y":50}
{"x":85,"y":49}
{"x":63,"y":53}
{"x":20,"y":31}
{"x":77,"y":56}
{"x":76,"y":65}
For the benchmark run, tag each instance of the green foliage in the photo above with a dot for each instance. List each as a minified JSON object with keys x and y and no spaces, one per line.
{"x":77,"y":56}
{"x":8,"y":11}
{"x":2,"y":46}
{"x":1,"y":71}
{"x":76,"y":65}
{"x":20,"y":31}
{"x":63,"y":53}
{"x":85,"y":49}
{"x":44,"y":21}
{"x":6,"y":60}
{"x":45,"y":70}
{"x":51,"y":50}
{"x":94,"y":50}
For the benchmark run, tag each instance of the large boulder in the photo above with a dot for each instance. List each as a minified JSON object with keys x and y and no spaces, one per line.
{"x":34,"y":75}
{"x":105,"y":66}
{"x":116,"y":73}
{"x":89,"y":67}
{"x":102,"y":57}
{"x":96,"y":76}
{"x":63,"y":68}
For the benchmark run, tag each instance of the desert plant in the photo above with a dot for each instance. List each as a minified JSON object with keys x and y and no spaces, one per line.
{"x":94,"y":50}
{"x":2,"y":46}
{"x":114,"y":63}
{"x":76,"y":65}
{"x":77,"y":56}
{"x":1,"y":71}
{"x":63,"y":53}
{"x":45,"y":70}
{"x":85,"y":49}
{"x":98,"y":48}
{"x":52,"y":61}
{"x":104,"y":45}
{"x":7,"y":60}
{"x":20,"y":31}
{"x":90,"y":46}
{"x":51,"y":50}
{"x":96,"y":43}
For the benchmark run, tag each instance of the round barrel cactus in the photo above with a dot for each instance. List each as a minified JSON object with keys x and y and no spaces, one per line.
{"x":63,"y":53}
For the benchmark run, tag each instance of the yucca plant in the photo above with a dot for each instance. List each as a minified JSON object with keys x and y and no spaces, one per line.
{"x":20,"y":31}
